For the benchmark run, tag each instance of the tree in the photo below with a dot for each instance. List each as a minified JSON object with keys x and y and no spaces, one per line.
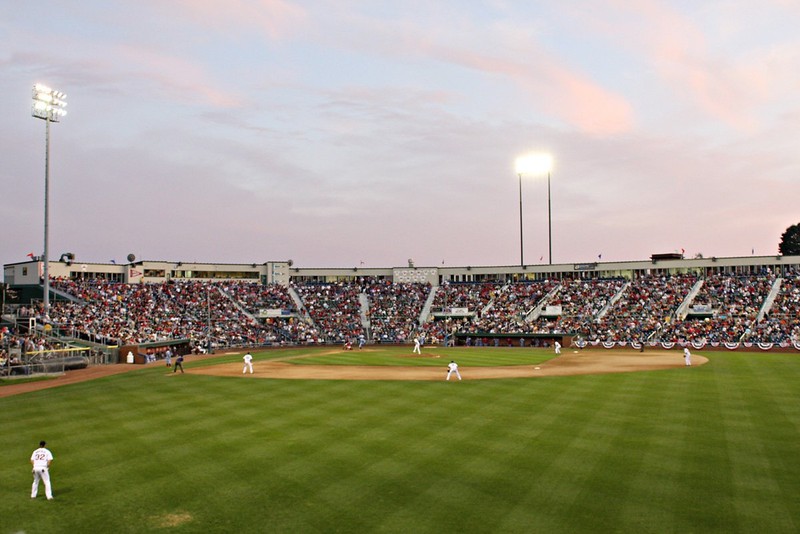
{"x":790,"y":241}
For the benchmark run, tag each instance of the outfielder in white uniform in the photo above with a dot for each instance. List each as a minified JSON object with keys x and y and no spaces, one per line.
{"x":452,"y":367}
{"x":40,"y":459}
{"x":248,"y":363}
{"x":687,"y":356}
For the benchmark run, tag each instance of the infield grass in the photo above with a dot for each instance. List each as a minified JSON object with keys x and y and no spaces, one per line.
{"x":713,"y":448}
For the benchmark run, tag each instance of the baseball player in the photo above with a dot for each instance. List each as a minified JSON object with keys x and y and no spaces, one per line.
{"x":416,"y":346}
{"x":557,"y":347}
{"x":248,"y":363}
{"x":452,"y":367}
{"x":41,"y":459}
{"x":687,"y":356}
{"x":178,"y":364}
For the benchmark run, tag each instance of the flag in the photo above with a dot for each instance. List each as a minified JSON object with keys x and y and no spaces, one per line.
{"x":30,"y":255}
{"x":113,"y":261}
{"x":541,"y":258}
{"x":683,"y":251}
{"x":753,"y":251}
{"x":599,"y":256}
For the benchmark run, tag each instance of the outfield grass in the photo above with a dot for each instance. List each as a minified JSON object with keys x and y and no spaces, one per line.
{"x":714,"y":448}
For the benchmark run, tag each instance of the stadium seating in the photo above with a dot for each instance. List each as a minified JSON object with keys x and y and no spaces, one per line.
{"x":760,"y":308}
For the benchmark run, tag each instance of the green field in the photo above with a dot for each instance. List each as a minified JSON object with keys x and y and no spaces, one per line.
{"x":714,"y":448}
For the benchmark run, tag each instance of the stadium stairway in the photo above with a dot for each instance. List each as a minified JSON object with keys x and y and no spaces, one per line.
{"x":426,"y":308}
{"x":773,"y":294}
{"x":613,"y":300}
{"x":540,"y":306}
{"x":682,"y":310}
{"x":363,"y":304}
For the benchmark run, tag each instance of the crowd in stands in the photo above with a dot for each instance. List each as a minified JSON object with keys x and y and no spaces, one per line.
{"x":395,"y":309}
{"x":335,"y":309}
{"x":581,"y":302}
{"x":236,"y":313}
{"x":508,"y":308}
{"x":739,"y":299}
{"x":285,"y":324}
{"x":783,"y":318}
{"x":116,"y":313}
{"x":649,"y":303}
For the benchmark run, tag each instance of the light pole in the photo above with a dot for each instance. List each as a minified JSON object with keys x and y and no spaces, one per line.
{"x":48,"y":104}
{"x":549,"y":224}
{"x":521,"y":253}
{"x":535,"y":164}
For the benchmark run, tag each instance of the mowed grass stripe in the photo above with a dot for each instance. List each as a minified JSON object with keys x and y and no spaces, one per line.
{"x":761,"y":421}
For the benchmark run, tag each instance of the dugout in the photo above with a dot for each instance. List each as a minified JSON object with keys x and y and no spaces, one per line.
{"x":156,"y":349}
{"x":484,"y":339}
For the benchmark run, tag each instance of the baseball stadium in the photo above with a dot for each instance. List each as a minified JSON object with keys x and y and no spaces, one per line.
{"x":578,"y":410}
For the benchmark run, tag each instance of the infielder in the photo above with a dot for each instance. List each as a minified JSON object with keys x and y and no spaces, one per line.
{"x":416,"y":346}
{"x":452,"y":367}
{"x":557,"y":347}
{"x":248,"y":363}
{"x":687,"y":356}
{"x":41,"y":459}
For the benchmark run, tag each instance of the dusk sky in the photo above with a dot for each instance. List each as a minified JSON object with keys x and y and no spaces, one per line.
{"x":339,"y":132}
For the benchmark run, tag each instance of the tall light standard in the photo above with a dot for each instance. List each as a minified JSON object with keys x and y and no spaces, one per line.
{"x":535,"y":165}
{"x":48,"y":104}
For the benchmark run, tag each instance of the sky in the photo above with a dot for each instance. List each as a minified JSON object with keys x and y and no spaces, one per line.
{"x":369,"y":133}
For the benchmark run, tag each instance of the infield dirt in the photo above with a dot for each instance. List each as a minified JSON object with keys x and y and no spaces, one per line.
{"x":571,"y":363}
{"x":580,"y":363}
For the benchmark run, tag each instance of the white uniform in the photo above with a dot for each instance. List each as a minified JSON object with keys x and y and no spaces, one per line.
{"x":558,"y":347}
{"x":687,"y":356}
{"x":416,"y":346}
{"x":452,"y":367}
{"x":248,"y":363}
{"x":41,"y":459}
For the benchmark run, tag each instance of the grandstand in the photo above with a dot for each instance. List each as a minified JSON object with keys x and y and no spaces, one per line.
{"x":146,"y":306}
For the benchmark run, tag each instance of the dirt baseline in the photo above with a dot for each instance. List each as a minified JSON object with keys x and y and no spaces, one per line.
{"x":572,"y":363}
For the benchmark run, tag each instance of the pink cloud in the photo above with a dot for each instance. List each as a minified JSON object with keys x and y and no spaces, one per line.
{"x":564,"y":92}
{"x":676,"y":48}
{"x":551,"y":86}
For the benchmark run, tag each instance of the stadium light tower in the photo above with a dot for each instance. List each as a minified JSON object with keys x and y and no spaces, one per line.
{"x":48,"y":105}
{"x":535,"y":165}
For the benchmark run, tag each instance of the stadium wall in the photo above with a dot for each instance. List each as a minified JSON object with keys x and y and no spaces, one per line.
{"x":282,"y":272}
